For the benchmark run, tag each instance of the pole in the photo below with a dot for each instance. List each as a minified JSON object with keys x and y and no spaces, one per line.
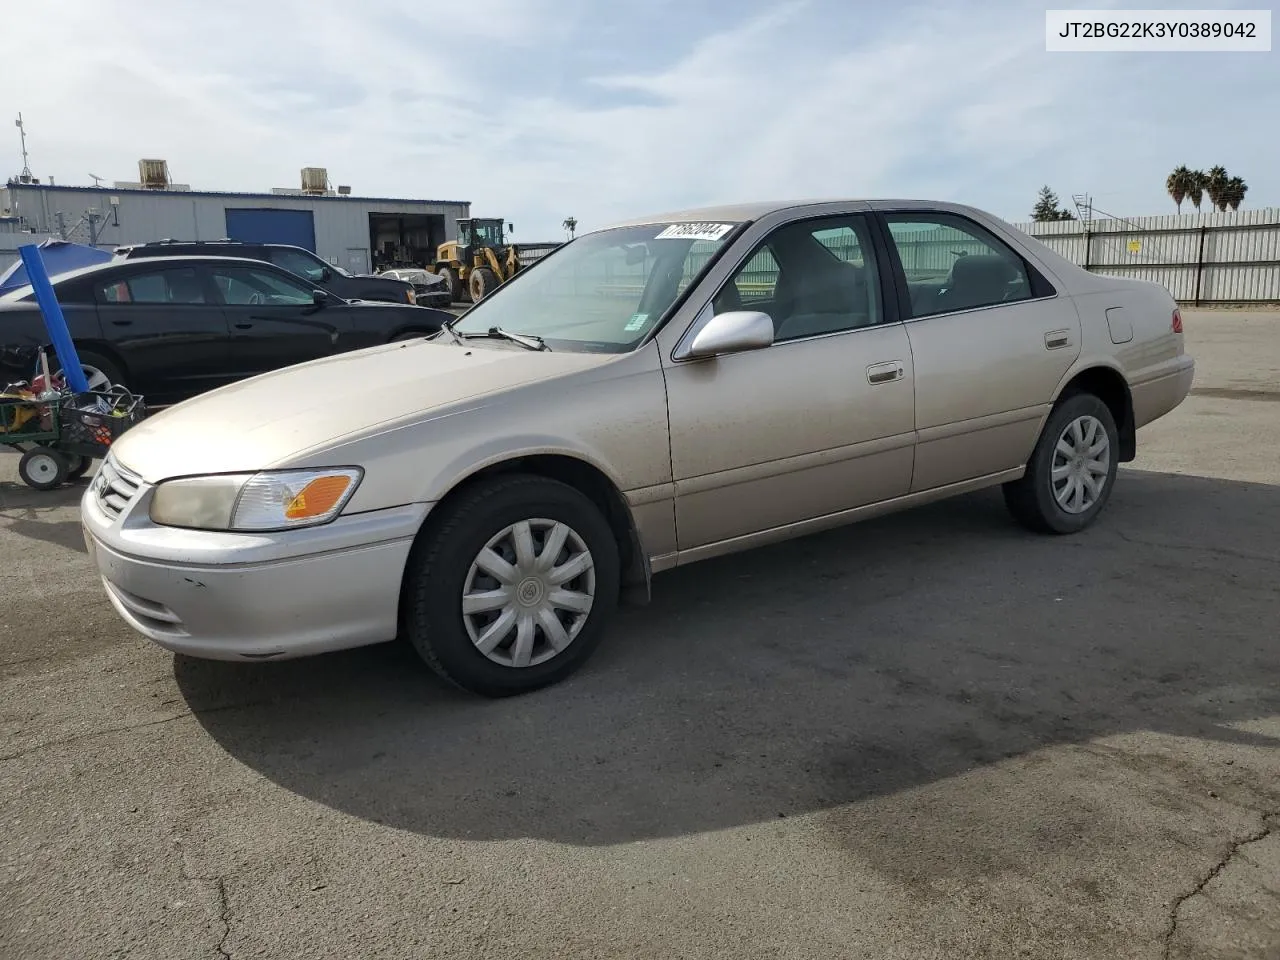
{"x":1088,"y":247}
{"x":54,"y":321}
{"x":1200,"y":263}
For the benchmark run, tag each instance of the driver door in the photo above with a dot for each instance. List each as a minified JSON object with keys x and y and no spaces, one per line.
{"x":274,"y":319}
{"x":820,"y":422}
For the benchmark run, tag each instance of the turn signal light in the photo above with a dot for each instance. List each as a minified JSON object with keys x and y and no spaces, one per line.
{"x":318,"y":497}
{"x":1177,"y":320}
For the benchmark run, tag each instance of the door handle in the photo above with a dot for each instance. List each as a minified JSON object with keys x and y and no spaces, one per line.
{"x":885,"y":372}
{"x":122,"y":323}
{"x":244,"y":325}
{"x":1056,"y":339}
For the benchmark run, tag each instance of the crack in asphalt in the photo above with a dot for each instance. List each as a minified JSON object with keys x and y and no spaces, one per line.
{"x":48,"y":744}
{"x":224,"y":916}
{"x":1214,"y":871}
{"x":1197,"y":547}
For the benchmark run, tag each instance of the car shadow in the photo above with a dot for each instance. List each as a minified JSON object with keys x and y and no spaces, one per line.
{"x":26,"y":512}
{"x":846,"y":666}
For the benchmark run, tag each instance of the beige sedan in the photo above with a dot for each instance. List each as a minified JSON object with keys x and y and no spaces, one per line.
{"x":649,"y":395}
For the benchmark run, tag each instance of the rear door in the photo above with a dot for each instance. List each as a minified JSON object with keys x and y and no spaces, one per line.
{"x":166,"y":324}
{"x":274,"y":319}
{"x":990,"y":341}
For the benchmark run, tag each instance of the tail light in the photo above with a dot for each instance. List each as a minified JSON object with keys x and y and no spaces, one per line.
{"x":1177,"y":320}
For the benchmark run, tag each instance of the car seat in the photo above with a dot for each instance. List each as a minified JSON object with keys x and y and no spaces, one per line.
{"x":976,"y":281}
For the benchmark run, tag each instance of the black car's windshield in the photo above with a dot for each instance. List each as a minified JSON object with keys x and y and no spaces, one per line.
{"x":604,"y":291}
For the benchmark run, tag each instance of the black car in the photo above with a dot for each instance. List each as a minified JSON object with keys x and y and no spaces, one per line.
{"x":294,"y":259}
{"x":172,"y":328}
{"x":431,"y":289}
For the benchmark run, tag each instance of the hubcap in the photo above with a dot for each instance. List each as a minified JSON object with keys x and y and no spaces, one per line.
{"x":1081,"y":464}
{"x":97,"y":379}
{"x":529,"y":592}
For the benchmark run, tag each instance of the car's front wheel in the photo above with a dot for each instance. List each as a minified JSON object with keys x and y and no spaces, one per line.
{"x":510,"y":588}
{"x":1072,"y":470}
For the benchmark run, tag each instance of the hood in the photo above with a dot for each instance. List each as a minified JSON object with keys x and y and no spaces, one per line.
{"x":272,"y":418}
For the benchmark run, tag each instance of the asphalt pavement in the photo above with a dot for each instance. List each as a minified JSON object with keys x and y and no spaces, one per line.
{"x":928,"y":735}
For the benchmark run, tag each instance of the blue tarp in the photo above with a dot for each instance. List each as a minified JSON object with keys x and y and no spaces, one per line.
{"x":59,"y":256}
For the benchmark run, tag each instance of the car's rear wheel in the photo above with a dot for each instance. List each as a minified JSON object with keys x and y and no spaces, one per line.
{"x":99,"y":371}
{"x":510,"y":588}
{"x":1072,"y":470}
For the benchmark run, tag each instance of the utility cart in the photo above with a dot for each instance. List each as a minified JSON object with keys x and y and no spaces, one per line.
{"x":61,"y":433}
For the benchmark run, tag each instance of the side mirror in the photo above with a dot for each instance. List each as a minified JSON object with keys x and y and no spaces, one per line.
{"x":319,"y":297}
{"x":733,"y":332}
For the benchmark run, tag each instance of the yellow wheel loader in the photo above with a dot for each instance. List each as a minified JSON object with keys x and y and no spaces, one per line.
{"x":478,"y":261}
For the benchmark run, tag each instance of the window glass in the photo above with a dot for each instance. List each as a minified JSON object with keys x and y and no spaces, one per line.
{"x":174,"y":285}
{"x":246,"y":286}
{"x":297,"y":263}
{"x":811,"y":278}
{"x":604,"y":291}
{"x":953,"y":264}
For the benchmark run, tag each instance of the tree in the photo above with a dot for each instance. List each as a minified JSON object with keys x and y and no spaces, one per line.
{"x":1215,"y":186}
{"x":1236,"y":189}
{"x":1047,"y":208}
{"x":570,"y":224}
{"x":1179,"y":184}
{"x":1196,"y":187}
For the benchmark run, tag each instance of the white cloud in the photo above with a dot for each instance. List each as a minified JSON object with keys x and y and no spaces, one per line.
{"x":511,"y":109}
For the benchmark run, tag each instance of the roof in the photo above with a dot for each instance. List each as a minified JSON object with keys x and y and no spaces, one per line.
{"x":741,"y":212}
{"x":114,"y":191}
{"x":149,"y":263}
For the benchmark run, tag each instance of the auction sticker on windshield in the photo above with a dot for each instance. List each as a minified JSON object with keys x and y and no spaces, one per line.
{"x":695,"y":231}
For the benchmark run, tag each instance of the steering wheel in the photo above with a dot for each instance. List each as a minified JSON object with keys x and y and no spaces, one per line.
{"x":256,"y":299}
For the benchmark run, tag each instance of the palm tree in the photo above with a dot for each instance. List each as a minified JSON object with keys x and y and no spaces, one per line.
{"x":1215,"y":184}
{"x":570,"y":224}
{"x":1236,"y":189}
{"x":1179,"y":184}
{"x":1196,"y":187}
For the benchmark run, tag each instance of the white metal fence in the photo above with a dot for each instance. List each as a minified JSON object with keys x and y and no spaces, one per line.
{"x":1229,"y":257}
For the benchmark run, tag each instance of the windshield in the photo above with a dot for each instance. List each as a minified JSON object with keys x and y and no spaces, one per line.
{"x":604,"y":291}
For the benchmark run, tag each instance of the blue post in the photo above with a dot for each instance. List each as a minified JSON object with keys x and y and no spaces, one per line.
{"x":54,"y":322}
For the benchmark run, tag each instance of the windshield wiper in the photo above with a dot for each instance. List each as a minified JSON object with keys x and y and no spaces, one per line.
{"x":527,"y":340}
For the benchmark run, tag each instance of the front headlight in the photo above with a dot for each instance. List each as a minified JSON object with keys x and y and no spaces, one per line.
{"x":272,"y":500}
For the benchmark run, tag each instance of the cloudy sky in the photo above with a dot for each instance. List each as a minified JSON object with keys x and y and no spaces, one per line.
{"x":542,"y":109}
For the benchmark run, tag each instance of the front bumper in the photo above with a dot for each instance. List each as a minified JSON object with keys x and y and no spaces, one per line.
{"x":226,"y":596}
{"x":438,"y":298}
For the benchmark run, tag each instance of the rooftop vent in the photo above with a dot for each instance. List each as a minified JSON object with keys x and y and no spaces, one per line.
{"x":153,"y":174}
{"x":315,"y":180}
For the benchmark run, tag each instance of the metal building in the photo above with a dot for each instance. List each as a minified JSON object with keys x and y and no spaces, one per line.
{"x":357,"y":233}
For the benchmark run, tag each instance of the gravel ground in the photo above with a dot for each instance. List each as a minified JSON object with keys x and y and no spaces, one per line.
{"x":930,"y":735}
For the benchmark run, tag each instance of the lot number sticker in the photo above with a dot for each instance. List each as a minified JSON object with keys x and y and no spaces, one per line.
{"x":695,"y":231}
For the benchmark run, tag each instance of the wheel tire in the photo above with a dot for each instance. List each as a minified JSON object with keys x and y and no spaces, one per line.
{"x":77,"y":467}
{"x":42,"y":468}
{"x":483,"y":282}
{"x":451,"y":279}
{"x":441,"y":562}
{"x":95,"y":363}
{"x":1032,"y":499}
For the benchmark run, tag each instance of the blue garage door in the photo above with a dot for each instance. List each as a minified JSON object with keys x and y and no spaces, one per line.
{"x":263,"y":225}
